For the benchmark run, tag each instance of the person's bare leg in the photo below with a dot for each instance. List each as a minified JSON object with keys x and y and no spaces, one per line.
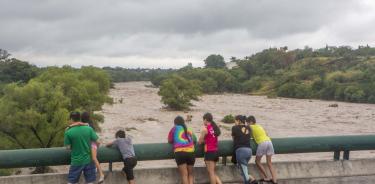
{"x":190,"y":169}
{"x":182,"y":169}
{"x":218,"y":181}
{"x":97,"y":164}
{"x":252,"y":178}
{"x":272,"y":170}
{"x":258,"y":161}
{"x":131,"y":182}
{"x":210,"y":165}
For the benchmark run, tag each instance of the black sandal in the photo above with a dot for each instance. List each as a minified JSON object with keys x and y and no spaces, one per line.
{"x":264,"y":180}
{"x":253,"y":182}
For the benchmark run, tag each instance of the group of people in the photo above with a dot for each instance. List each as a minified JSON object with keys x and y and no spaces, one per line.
{"x":81,"y":139}
{"x":245,"y":128}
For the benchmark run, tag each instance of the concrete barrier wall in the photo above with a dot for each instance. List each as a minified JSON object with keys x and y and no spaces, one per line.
{"x":324,"y":172}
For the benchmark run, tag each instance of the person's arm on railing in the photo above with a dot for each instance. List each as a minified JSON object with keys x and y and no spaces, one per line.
{"x":170,"y":136}
{"x":202,"y":135}
{"x":97,"y":142}
{"x":194,"y":138}
{"x":110,"y":144}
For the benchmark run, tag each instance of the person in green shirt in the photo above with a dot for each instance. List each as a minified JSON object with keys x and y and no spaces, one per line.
{"x":78,"y":139}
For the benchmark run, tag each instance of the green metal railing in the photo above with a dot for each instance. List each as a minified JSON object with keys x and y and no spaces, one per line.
{"x":161,"y":151}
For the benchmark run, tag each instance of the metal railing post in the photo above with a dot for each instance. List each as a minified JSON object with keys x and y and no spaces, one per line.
{"x":346,"y":154}
{"x":336,"y":155}
{"x":110,"y":166}
{"x":224,"y":161}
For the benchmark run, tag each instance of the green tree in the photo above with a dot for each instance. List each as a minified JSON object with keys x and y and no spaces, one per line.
{"x":354,"y":94}
{"x":251,"y":85}
{"x":214,"y":61}
{"x":177,"y":92}
{"x":209,"y":85}
{"x":14,"y":70}
{"x":88,"y":86}
{"x":34,"y":115}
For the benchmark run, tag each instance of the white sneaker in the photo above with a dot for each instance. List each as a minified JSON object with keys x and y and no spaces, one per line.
{"x":101,"y":180}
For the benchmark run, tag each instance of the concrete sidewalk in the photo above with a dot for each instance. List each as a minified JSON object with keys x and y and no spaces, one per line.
{"x":322,"y":172}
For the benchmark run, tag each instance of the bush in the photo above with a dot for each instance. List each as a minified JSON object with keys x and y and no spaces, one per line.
{"x":6,"y":172}
{"x":251,"y":85}
{"x":228,"y":119}
{"x":177,"y":92}
{"x":303,"y":91}
{"x":329,"y":90}
{"x":287,"y":90}
{"x":354,"y":94}
{"x":371,"y":99}
{"x":209,"y":85}
{"x":156,"y":81}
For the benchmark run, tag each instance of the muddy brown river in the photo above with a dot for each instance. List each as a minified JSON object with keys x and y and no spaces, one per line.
{"x":142,"y":114}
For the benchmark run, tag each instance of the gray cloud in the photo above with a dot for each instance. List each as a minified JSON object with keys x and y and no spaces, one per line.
{"x":157,"y":33}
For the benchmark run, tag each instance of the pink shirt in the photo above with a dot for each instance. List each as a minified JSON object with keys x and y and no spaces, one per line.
{"x":210,"y":139}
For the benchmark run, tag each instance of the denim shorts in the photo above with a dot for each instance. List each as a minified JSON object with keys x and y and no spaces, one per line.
{"x":89,"y":172}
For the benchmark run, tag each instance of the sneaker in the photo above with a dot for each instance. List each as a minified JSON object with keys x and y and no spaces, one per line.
{"x":101,"y":180}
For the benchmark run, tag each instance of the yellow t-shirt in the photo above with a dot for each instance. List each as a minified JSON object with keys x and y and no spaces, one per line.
{"x":259,"y":134}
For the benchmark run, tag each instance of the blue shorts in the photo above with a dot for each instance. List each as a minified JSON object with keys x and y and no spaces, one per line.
{"x":89,"y":171}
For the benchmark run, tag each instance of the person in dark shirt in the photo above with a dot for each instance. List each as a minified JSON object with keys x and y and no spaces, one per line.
{"x":241,"y":135}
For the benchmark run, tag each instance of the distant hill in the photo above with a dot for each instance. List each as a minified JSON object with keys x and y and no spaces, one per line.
{"x":331,"y":73}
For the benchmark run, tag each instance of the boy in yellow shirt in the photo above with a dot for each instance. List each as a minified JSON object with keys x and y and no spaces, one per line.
{"x":265,"y":147}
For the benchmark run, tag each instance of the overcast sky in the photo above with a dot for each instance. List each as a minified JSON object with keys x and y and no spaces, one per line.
{"x":171,"y":33}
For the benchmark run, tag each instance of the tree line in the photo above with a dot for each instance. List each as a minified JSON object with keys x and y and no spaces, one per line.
{"x":119,"y":74}
{"x":330,"y":73}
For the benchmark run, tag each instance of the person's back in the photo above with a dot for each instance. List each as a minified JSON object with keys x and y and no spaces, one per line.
{"x":241,"y":136}
{"x":79,"y":138}
{"x":181,"y":143}
{"x":265,"y":147}
{"x":210,"y":139}
{"x":183,"y":140}
{"x":259,"y":134}
{"x":125,"y":146}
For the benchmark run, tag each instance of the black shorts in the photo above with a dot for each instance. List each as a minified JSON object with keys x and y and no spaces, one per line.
{"x":211,"y":156}
{"x":129,"y":164}
{"x":184,"y":158}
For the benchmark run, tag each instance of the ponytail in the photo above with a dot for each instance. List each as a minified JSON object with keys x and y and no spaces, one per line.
{"x":216,"y":128}
{"x":180,"y":121}
{"x":241,"y":118}
{"x":208,"y":117}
